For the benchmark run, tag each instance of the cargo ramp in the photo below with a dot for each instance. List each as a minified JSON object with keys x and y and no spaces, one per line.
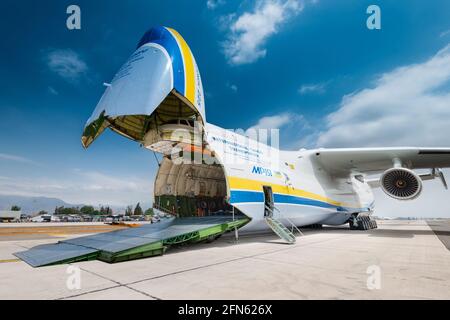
{"x":134,"y":243}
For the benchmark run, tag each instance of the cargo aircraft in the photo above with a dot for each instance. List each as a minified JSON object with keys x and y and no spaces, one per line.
{"x":212,"y":180}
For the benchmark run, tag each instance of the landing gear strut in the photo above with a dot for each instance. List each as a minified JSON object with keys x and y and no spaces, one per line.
{"x":362,"y":223}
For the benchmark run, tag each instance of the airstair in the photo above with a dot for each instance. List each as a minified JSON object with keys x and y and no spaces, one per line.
{"x":280,"y":229}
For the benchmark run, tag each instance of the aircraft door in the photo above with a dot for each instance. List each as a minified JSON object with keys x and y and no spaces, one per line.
{"x":268,"y":201}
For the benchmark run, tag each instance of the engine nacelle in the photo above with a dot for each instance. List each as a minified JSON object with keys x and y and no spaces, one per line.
{"x":401,"y":184}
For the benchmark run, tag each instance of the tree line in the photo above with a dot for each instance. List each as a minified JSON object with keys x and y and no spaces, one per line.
{"x":103,"y":210}
{"x":90,"y":210}
{"x":84,"y":210}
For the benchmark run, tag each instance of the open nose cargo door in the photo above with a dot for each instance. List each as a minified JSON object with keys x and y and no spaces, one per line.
{"x":157,"y":90}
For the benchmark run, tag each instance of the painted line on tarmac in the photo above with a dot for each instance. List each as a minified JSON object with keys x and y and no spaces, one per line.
{"x":9,"y":260}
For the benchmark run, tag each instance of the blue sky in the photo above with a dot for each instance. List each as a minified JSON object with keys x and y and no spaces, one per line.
{"x":309,"y":67}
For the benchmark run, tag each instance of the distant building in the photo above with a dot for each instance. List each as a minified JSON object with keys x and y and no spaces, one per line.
{"x":10,"y":215}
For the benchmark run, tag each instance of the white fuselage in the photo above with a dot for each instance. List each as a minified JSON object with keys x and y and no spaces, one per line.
{"x":303,"y":191}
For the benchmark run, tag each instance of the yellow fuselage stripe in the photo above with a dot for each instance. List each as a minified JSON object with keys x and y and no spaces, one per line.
{"x":255,"y":185}
{"x":189,"y":75}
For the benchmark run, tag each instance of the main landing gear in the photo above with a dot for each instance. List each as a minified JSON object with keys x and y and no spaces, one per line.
{"x":365,"y":222}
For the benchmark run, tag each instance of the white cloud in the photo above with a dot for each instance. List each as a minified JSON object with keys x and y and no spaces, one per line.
{"x":249,"y":32}
{"x":212,"y":4}
{"x":444,"y":33}
{"x":15,"y":158}
{"x":233,"y":87}
{"x":318,"y":88}
{"x":81,"y":187}
{"x":293,"y":128}
{"x":52,"y":91}
{"x":273,"y":122}
{"x":67,"y":64}
{"x":406,"y":106}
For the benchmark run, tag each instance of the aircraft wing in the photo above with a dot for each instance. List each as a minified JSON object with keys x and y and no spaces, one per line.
{"x":376,"y":160}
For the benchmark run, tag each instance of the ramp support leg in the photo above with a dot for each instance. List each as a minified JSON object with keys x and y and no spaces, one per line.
{"x":236,"y":232}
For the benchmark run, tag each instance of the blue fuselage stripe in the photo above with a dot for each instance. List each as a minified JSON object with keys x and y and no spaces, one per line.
{"x":241,"y":196}
{"x":246,"y":196}
{"x":282,"y":198}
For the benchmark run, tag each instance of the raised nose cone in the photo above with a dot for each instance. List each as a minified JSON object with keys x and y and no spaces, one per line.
{"x":160,"y":83}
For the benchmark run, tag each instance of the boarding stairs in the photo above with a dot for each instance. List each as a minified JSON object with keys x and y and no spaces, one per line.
{"x":279,"y":228}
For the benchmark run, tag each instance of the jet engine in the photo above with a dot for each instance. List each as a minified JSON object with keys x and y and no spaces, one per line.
{"x":401,"y":183}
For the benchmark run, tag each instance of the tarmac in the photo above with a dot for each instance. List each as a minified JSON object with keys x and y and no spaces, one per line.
{"x":399,"y":260}
{"x":22,"y":231}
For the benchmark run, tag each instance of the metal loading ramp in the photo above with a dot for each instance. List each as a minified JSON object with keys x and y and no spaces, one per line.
{"x":134,"y":243}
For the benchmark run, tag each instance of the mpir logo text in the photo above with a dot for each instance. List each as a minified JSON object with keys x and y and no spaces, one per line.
{"x":262,"y":171}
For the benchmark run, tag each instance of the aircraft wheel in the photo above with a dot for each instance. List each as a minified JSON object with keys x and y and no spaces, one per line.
{"x":366,"y":225}
{"x":360,"y":224}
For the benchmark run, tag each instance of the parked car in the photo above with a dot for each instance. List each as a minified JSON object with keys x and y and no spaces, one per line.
{"x":155,"y":219}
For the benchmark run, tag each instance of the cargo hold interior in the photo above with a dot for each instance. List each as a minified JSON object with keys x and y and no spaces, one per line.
{"x":192,"y":190}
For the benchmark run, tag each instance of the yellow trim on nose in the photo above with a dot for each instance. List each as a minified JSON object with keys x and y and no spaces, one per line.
{"x":189,"y":73}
